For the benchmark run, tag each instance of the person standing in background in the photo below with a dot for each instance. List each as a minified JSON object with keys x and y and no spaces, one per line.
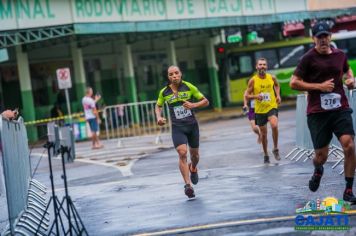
{"x":92,"y":116}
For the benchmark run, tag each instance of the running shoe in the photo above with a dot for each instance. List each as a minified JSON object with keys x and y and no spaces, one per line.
{"x":189,"y":191}
{"x":314,"y":182}
{"x":349,"y":196}
{"x":266,"y":159}
{"x":193,"y":174}
{"x":276,"y":154}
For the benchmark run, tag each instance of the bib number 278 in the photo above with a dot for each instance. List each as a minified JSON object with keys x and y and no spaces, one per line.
{"x":330,"y":101}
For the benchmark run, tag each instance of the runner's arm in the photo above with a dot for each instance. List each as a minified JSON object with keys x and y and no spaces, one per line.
{"x":160,"y":120}
{"x":191,"y":105}
{"x":158,"y":108}
{"x":350,"y":80}
{"x":297,"y":83}
{"x":202,"y":103}
{"x":277,"y":89}
{"x":245,"y":98}
{"x":249,"y":90}
{"x":158,"y":111}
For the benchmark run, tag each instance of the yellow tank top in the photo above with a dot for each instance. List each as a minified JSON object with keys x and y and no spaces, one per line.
{"x":266,"y":88}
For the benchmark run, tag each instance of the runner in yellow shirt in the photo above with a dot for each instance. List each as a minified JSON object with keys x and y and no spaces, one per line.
{"x":264,"y":88}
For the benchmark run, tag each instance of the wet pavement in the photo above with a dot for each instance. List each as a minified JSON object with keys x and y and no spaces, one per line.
{"x":134,"y":186}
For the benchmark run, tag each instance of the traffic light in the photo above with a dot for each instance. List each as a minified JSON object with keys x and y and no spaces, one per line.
{"x":221,"y":50}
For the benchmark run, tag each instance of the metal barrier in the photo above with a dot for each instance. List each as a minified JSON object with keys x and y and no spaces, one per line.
{"x":61,"y":136}
{"x":335,"y":147}
{"x":304,"y":145}
{"x":135,"y":119}
{"x":25,"y":200}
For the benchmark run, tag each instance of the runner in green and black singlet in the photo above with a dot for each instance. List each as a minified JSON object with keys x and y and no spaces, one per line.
{"x":180,"y":96}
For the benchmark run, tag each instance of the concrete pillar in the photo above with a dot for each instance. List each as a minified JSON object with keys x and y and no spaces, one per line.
{"x":28,"y":107}
{"x":129,"y":77}
{"x":171,"y":52}
{"x":97,"y":81}
{"x":78,"y":81}
{"x":213,"y":73}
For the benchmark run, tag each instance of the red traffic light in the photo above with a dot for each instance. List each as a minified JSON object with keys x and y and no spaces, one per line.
{"x":221,"y":50}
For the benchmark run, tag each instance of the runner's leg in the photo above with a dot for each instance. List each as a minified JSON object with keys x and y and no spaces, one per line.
{"x":263,"y":130}
{"x":183,"y":164}
{"x":319,"y":160}
{"x":194,"y":156}
{"x":256,"y":130}
{"x":273,"y":120}
{"x":347,"y":143}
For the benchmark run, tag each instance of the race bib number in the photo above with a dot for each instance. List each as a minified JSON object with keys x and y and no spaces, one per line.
{"x":330,"y":101}
{"x":180,"y":112}
{"x":266,"y":97}
{"x":252,"y":103}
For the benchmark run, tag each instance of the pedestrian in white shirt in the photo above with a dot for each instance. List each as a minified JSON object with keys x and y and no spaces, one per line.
{"x":92,"y":116}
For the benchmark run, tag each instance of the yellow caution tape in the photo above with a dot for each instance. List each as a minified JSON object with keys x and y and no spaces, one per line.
{"x":43,"y":121}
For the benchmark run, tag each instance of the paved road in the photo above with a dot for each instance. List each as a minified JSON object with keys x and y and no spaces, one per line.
{"x":138,"y":189}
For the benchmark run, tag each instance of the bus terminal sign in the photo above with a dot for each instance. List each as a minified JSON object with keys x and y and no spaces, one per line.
{"x":21,"y":14}
{"x":63,"y":78}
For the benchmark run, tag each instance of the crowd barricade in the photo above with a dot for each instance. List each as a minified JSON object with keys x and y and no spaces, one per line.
{"x":304,"y":145}
{"x":25,"y":197}
{"x":62,"y":136}
{"x":336,"y":149}
{"x":135,"y":119}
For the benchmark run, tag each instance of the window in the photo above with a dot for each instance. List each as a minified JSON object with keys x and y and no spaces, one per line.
{"x":290,"y":56}
{"x":233,"y":67}
{"x":270,"y":55}
{"x":239,"y":65}
{"x":245,"y":64}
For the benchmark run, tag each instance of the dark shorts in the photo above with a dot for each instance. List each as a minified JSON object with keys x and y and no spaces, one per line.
{"x":262,"y":119}
{"x":251,"y":114}
{"x":323,"y":125}
{"x":186,"y":134}
{"x":93,"y":125}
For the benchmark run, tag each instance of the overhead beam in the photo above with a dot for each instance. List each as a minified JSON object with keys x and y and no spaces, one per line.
{"x":9,"y":39}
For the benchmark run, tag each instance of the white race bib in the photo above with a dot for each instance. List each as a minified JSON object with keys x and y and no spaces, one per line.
{"x":266,"y":97}
{"x":253,"y":103}
{"x":180,"y":112}
{"x":330,"y":101}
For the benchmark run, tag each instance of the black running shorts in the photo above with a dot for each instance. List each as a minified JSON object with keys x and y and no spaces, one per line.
{"x":322,"y":126}
{"x":262,"y":119}
{"x":183,"y":134}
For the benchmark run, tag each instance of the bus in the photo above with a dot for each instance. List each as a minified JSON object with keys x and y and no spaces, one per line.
{"x":237,"y":63}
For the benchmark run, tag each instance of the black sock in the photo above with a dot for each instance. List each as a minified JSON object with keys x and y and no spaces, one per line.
{"x":319,"y":169}
{"x":349,"y":182}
